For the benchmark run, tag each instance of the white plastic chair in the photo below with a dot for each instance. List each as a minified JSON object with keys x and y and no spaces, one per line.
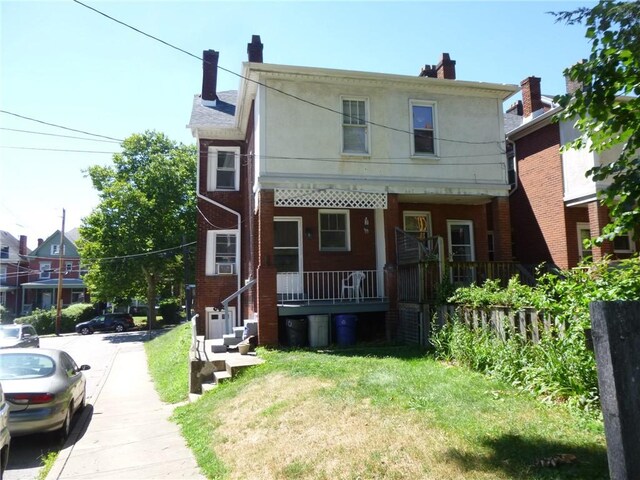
{"x":353,"y":285}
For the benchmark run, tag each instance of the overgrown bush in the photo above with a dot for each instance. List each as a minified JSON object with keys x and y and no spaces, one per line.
{"x":44,"y":321}
{"x":169,"y":309}
{"x":559,"y":366}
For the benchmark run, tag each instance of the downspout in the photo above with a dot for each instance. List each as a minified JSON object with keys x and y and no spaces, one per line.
{"x":515,"y":167}
{"x":239,"y":217}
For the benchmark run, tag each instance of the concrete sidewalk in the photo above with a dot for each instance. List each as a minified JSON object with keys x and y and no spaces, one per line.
{"x":125,"y":432}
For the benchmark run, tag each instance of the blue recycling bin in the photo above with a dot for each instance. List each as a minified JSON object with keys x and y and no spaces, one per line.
{"x":346,"y":329}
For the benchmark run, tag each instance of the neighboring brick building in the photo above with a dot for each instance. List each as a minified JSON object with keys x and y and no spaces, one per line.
{"x":553,"y":203}
{"x":13,"y":271}
{"x":306,"y":174}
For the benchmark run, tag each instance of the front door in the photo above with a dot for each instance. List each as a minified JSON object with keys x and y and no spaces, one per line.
{"x":287,"y":246}
{"x":46,"y":300}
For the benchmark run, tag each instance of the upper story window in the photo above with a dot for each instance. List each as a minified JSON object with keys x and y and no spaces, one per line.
{"x":55,"y":249}
{"x":68,"y":267}
{"x":4,"y":251}
{"x":3,"y":274}
{"x":223,"y":168}
{"x":423,"y":128}
{"x":334,"y":230}
{"x":355,"y":138}
{"x":222,"y":252}
{"x":45,"y":270}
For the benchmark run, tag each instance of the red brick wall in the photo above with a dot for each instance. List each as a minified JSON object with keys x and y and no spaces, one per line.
{"x":267,"y":297}
{"x":537,"y":207}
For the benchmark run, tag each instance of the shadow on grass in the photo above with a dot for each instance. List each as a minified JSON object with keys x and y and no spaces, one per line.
{"x":401,"y":352}
{"x":133,"y":336}
{"x":525,"y":458}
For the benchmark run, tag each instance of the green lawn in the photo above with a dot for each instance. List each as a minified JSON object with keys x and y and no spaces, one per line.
{"x":387,"y":412}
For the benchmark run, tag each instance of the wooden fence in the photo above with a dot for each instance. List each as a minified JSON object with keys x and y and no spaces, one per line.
{"x":529,"y":323}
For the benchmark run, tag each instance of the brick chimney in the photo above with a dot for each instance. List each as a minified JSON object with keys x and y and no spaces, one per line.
{"x":209,"y":77}
{"x":23,"y":245}
{"x":531,"y":96}
{"x":516,"y":108}
{"x":40,"y":241}
{"x":446,"y":68}
{"x":572,"y":85}
{"x":254,"y":49}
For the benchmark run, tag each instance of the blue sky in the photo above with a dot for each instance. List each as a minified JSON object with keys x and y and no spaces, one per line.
{"x":64,"y":64}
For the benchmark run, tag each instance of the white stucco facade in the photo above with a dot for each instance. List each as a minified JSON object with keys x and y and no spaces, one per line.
{"x":299,"y":142}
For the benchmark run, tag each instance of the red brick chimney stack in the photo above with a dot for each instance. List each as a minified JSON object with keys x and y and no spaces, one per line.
{"x":446,"y":68}
{"x":254,"y":49}
{"x":40,"y":241}
{"x":531,"y":96}
{"x":209,"y":76}
{"x":23,"y":245}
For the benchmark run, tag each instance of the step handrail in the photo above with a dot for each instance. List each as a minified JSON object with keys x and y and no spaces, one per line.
{"x":225,"y":303}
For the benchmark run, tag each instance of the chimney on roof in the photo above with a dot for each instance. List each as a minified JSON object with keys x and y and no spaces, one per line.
{"x":40,"y":241}
{"x":446,"y":68}
{"x":573,"y":85}
{"x":23,"y":245}
{"x":428,"y":71}
{"x":209,"y":77}
{"x":531,"y":96}
{"x":516,"y":108}
{"x":254,"y":49}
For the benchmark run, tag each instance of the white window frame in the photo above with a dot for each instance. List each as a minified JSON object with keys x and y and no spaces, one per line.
{"x":68,"y":267}
{"x":3,"y":273}
{"x":55,"y":249}
{"x":365,"y":126}
{"x":414,"y":213}
{"x":434,"y":117}
{"x":212,"y":168}
{"x":580,"y":226}
{"x":632,"y":244}
{"x":211,"y":267}
{"x":45,"y":270}
{"x":347,"y":247}
{"x":450,"y":223}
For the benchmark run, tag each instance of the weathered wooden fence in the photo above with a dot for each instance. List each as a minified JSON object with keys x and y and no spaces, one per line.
{"x":529,"y":323}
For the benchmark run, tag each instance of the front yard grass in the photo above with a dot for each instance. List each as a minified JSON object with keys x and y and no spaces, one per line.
{"x":383,"y":413}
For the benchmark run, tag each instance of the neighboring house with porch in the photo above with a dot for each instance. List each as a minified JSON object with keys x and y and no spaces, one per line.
{"x":312,"y":182}
{"x":40,"y":289}
{"x":554,"y":206}
{"x":13,"y":271}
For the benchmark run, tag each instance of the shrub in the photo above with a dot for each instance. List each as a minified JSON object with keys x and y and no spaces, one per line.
{"x":170,"y":310}
{"x":558,"y":367}
{"x":44,"y":321}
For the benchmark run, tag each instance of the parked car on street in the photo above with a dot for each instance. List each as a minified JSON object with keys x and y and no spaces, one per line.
{"x":108,"y":322}
{"x":44,"y":389}
{"x":5,"y":437}
{"x":17,"y":335}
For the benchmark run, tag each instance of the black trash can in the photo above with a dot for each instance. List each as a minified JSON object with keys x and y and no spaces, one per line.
{"x":297,"y":331}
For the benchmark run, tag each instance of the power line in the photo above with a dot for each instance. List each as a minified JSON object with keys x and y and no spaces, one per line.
{"x":57,"y":135}
{"x":57,"y":150}
{"x":59,"y":126}
{"x":304,"y":100}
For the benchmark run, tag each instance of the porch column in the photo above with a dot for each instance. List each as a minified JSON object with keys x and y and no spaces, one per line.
{"x":266,"y":287}
{"x":598,"y":218}
{"x":391,"y":221}
{"x":501,"y":229}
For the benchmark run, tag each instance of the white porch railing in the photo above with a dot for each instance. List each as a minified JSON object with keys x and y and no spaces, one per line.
{"x":333,"y":286}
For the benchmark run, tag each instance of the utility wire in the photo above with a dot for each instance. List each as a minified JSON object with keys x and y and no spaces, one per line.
{"x":60,"y":126}
{"x":57,"y":135}
{"x":57,"y":150}
{"x":295,"y":97}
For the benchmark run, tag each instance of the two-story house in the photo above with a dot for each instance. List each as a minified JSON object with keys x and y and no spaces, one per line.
{"x":309,"y":177}
{"x":554,"y":205}
{"x":47,"y":262}
{"x":13,"y":269}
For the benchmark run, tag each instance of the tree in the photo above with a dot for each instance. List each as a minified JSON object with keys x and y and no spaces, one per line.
{"x":607,"y":107}
{"x":132,"y":241}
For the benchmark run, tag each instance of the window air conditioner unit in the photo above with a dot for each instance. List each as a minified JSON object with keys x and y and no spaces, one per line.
{"x":225,"y":268}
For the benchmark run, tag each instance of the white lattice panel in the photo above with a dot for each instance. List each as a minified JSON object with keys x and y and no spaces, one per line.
{"x":329,"y":199}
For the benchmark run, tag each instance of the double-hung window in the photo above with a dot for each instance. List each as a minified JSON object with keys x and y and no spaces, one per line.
{"x":423,"y":128}
{"x":223,"y":168}
{"x":355,"y":138}
{"x":45,"y":270}
{"x":623,"y":243}
{"x":334,"y":230}
{"x":55,"y":249}
{"x":222,"y":252}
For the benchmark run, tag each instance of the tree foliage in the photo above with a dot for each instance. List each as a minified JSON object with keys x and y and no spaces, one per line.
{"x":131,"y":240}
{"x":607,"y":107}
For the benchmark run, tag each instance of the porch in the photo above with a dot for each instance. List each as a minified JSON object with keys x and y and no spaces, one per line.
{"x":331,"y":292}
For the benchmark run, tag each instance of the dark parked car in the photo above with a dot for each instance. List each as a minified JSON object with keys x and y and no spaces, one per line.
{"x":16,"y":335}
{"x":108,"y":322}
{"x":44,"y":389}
